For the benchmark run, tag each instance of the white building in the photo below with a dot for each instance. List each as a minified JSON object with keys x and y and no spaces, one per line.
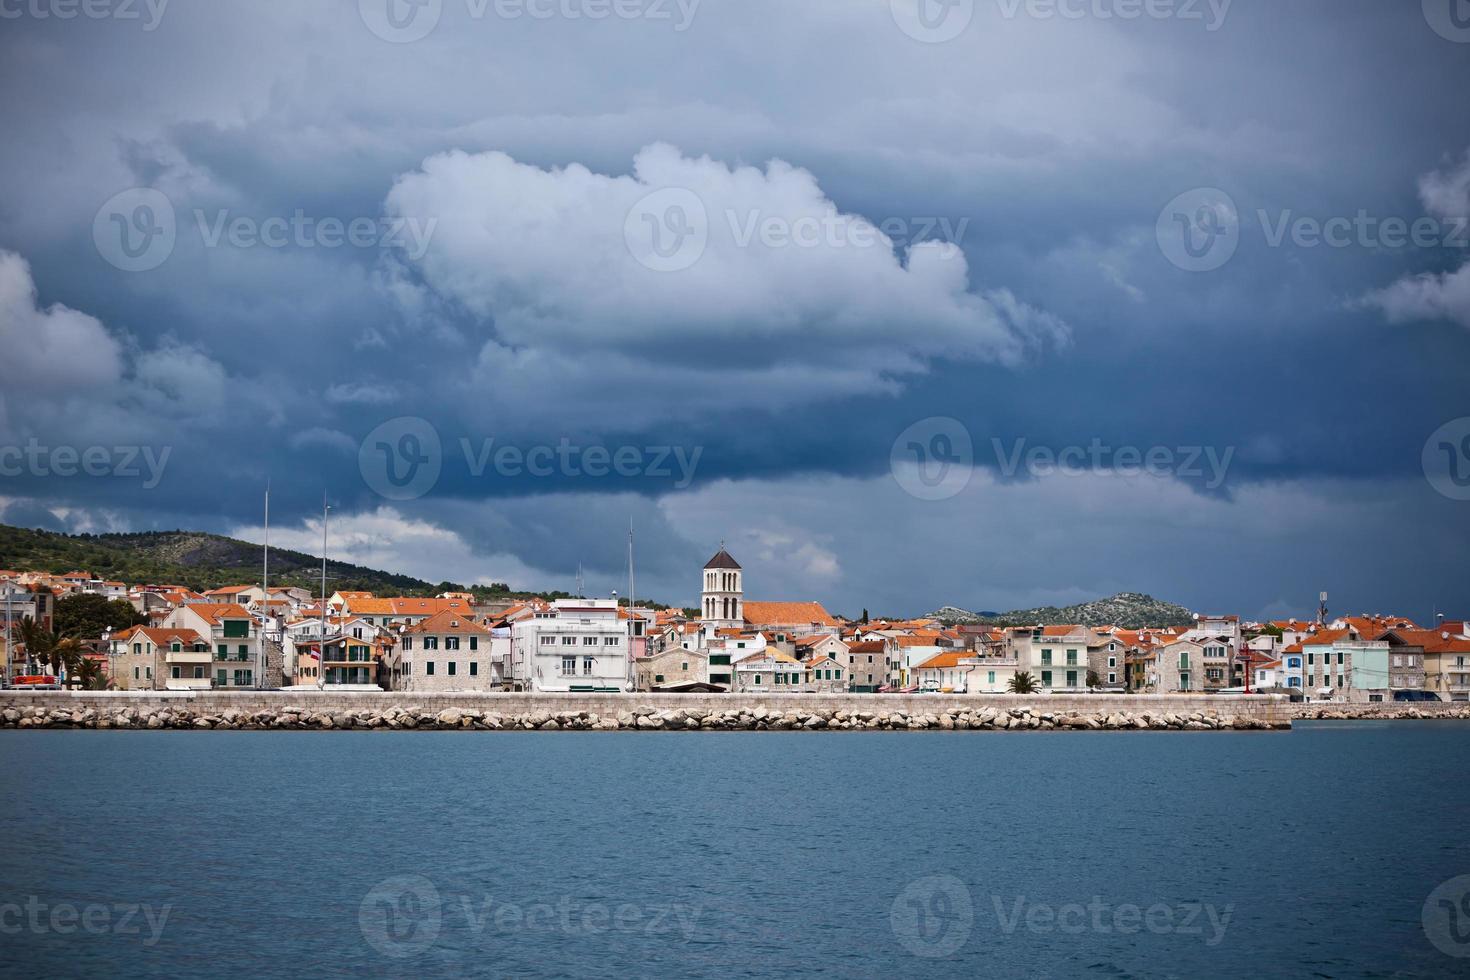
{"x":575,"y":645}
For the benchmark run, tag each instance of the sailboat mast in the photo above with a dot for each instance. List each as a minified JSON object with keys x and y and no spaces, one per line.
{"x":261,"y":658}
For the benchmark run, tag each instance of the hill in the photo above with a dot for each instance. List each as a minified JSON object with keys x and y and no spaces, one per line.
{"x":1131,"y":610}
{"x":202,"y":561}
{"x":196,"y":560}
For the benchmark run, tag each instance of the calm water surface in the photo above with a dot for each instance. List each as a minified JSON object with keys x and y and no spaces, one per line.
{"x":250,"y":854}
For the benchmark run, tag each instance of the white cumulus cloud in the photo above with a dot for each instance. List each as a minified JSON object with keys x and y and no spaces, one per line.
{"x":1435,"y":295}
{"x":773,"y":273}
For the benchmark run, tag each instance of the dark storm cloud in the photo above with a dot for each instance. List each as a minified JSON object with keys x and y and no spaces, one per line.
{"x":1053,"y":144}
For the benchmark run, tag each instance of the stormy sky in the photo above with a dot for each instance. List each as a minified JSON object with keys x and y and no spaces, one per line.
{"x":988,"y":302}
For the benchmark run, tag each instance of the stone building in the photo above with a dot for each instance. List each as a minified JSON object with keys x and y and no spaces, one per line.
{"x":447,"y":651}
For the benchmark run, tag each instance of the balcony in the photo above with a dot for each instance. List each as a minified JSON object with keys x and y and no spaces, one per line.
{"x":188,"y":657}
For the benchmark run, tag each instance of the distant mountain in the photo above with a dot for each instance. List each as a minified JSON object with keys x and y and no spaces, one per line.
{"x":1131,"y":610}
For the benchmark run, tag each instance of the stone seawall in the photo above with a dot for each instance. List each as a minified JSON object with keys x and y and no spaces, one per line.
{"x":634,"y":712}
{"x":1380,"y":711}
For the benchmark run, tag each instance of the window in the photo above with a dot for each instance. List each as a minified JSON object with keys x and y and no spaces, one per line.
{"x":408,"y":643}
{"x":839,"y":675}
{"x":474,"y":643}
{"x":548,"y":641}
{"x":429,"y":668}
{"x":406,"y":665}
{"x":453,"y":668}
{"x":587,"y":665}
{"x":658,"y":678}
{"x":757,"y":678}
{"x":175,"y":673}
{"x":1046,"y":658}
{"x":222,"y":677}
{"x":1071,"y":658}
{"x":569,"y":641}
{"x":1112,"y":678}
{"x":474,"y":668}
{"x":684,"y":665}
{"x":431,"y":643}
{"x":1071,"y":678}
{"x":1339,"y":656}
{"x":1046,"y":678}
{"x":568,"y":665}
{"x":135,"y":673}
{"x":148,"y":672}
{"x":223,"y":651}
{"x":451,"y":643}
{"x":609,"y":641}
{"x":1112,"y":661}
{"x":244,"y":652}
{"x":589,"y":641}
{"x":719,"y":660}
{"x":991,"y":679}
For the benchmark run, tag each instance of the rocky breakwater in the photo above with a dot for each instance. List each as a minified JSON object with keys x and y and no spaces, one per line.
{"x":638,"y":719}
{"x":1381,"y":711}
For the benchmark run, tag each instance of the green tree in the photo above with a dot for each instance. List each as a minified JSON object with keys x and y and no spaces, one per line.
{"x":1024,"y":683}
{"x":1092,"y":679}
{"x":84,"y":616}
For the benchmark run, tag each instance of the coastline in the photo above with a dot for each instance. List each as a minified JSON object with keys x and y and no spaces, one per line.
{"x":339,"y":711}
{"x":396,"y":711}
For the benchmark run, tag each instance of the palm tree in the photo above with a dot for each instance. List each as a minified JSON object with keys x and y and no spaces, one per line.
{"x":88,"y":675}
{"x":37,"y":642}
{"x":1024,"y":683}
{"x":64,"y":655}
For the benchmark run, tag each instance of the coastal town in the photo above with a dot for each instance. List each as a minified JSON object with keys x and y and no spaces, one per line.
{"x":245,"y":637}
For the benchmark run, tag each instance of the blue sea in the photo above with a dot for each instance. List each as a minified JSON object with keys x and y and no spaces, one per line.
{"x":1330,"y":851}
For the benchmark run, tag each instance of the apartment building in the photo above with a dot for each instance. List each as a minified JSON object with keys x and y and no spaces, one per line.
{"x":868,"y":662}
{"x":148,"y":658}
{"x":235,"y":639}
{"x":448,"y":651}
{"x":770,"y":672}
{"x":574,"y":645}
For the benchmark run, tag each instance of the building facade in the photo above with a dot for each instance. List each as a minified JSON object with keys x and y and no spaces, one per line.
{"x":574,"y":645}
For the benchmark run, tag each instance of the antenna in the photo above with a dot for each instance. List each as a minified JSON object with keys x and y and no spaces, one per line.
{"x":630,"y":564}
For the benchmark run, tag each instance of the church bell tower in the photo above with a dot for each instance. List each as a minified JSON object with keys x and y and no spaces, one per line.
{"x":722,"y":597}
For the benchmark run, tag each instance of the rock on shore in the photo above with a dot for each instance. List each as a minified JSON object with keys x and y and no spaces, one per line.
{"x":643,"y":719}
{"x":1384,"y":711}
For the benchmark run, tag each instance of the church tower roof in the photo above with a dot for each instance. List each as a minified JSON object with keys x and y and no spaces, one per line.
{"x":722,"y":560}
